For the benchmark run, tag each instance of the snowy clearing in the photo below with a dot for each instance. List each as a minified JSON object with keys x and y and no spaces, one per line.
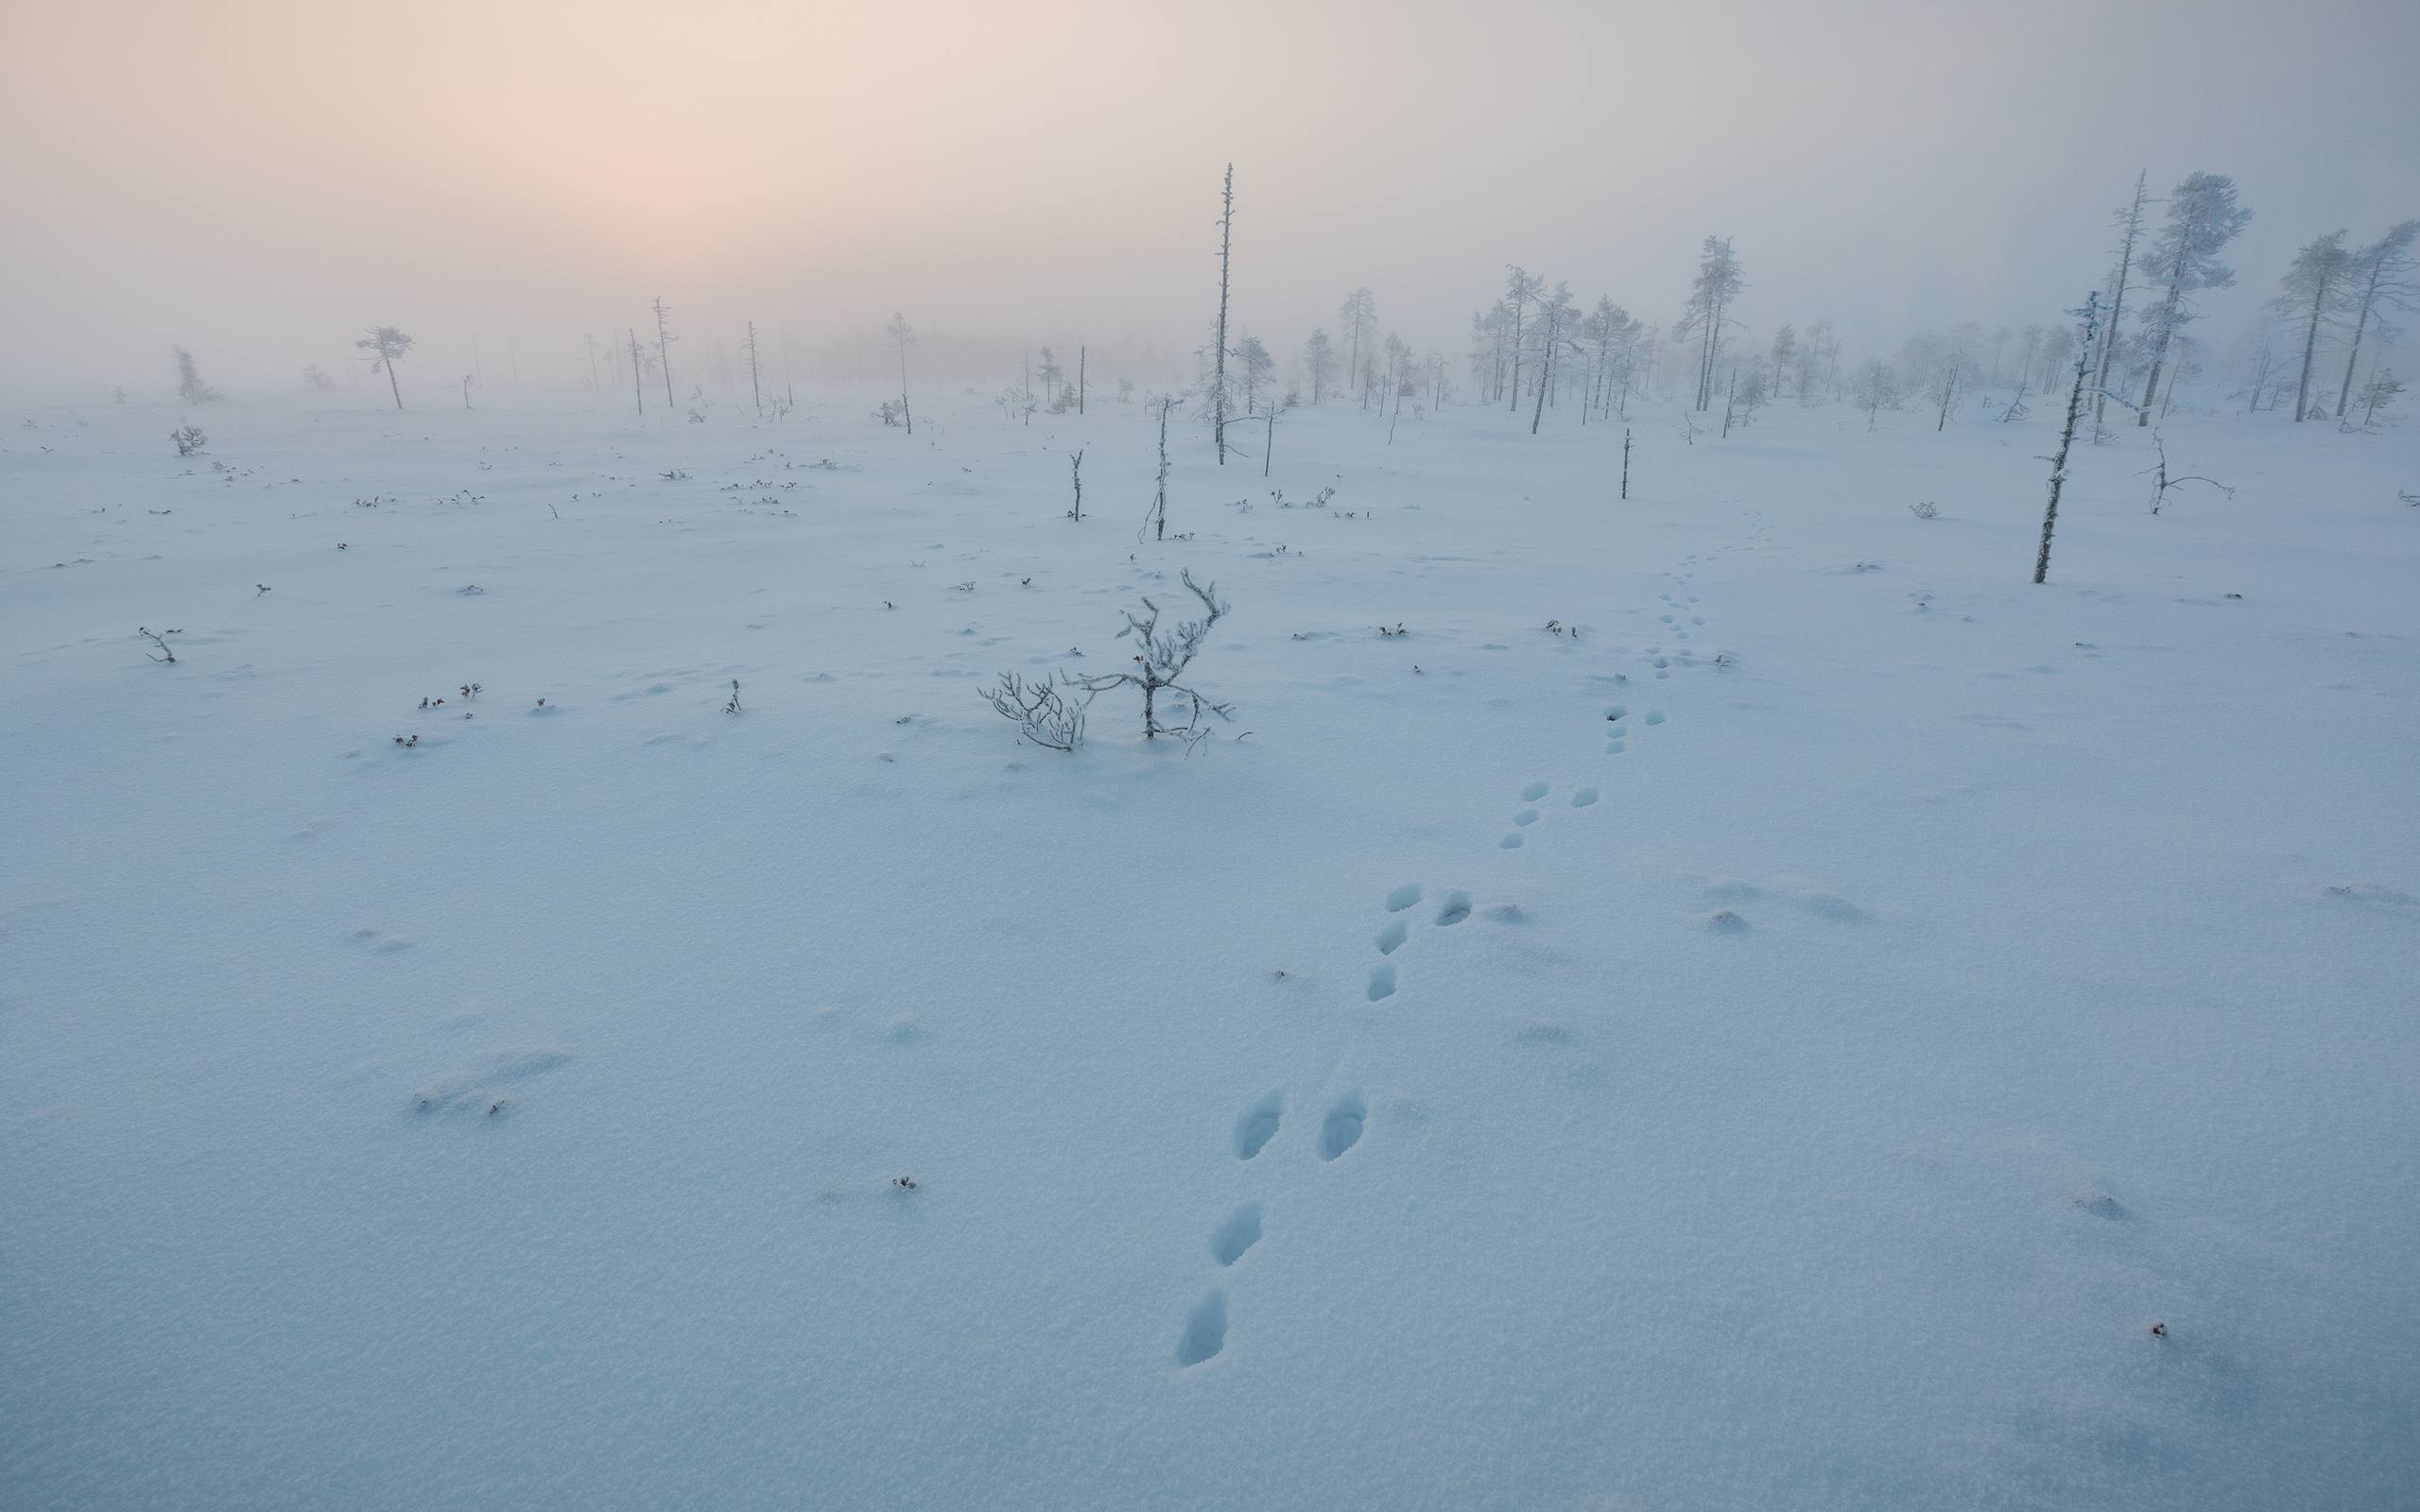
{"x":1786,"y":1045}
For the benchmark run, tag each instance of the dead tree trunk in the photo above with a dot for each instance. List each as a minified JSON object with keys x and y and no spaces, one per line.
{"x":2311,"y":349}
{"x":1160,"y":503}
{"x":2084,"y":355}
{"x":637,"y":386}
{"x":1226,"y":244}
{"x":1075,"y":476}
{"x":755,"y":385}
{"x":664,"y":349}
{"x":2133,"y":224}
{"x":1080,"y":380}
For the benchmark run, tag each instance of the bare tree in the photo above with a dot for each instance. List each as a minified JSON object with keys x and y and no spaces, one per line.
{"x":1045,"y":711}
{"x":1160,"y":502}
{"x":1161,"y":658}
{"x":2382,"y":280}
{"x":637,"y":387}
{"x":2087,"y":333}
{"x":2129,"y":221}
{"x":755,"y":383}
{"x":387,"y":347}
{"x":903,"y":337}
{"x":663,"y":339}
{"x":1226,"y":246}
{"x":2162,"y":481}
{"x":1075,"y":476}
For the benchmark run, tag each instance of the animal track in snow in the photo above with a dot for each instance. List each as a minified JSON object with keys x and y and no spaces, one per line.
{"x":1391,"y":937}
{"x":1403,"y":898}
{"x":1526,"y":817}
{"x":1343,"y":1130}
{"x":1511,"y":842}
{"x":1205,"y":1332}
{"x":1533,"y":792}
{"x":471,"y":1087}
{"x":1458,"y":907}
{"x":1583,"y":798}
{"x":1259,"y":1125}
{"x":1382,"y":983}
{"x":1239,"y":1233}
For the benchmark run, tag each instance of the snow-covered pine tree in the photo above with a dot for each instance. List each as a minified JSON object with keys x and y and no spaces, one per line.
{"x":2311,"y":295}
{"x":2382,"y":280}
{"x":2202,"y":217}
{"x":1711,"y":295}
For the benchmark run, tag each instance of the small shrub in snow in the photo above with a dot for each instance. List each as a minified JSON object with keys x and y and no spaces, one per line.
{"x":159,"y":639}
{"x":1043,"y":712}
{"x":1161,"y":658}
{"x":1924,"y":509}
{"x":733,"y":707}
{"x":189,"y":440}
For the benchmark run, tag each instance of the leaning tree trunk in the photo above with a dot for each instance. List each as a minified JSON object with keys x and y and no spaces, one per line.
{"x":2159,"y":355}
{"x":2310,"y":352}
{"x":397,"y":388}
{"x":2068,"y":433}
{"x":2353,"y":356}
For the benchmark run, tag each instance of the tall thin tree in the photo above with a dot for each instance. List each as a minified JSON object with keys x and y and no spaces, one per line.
{"x":663,"y":339}
{"x":2382,"y":280}
{"x":1717,"y":283}
{"x":902,"y":336}
{"x":2203,"y":218}
{"x":2312,"y":294}
{"x":1218,"y":358}
{"x":2087,"y":330}
{"x":387,"y":347}
{"x":2129,"y":221}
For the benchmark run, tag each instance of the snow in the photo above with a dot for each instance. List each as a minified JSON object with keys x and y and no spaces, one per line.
{"x":1807,"y":1089}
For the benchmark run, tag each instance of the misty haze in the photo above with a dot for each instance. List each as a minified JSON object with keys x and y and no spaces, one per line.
{"x":1092,"y":755}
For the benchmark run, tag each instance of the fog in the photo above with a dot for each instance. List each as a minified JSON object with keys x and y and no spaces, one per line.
{"x":261,"y":180}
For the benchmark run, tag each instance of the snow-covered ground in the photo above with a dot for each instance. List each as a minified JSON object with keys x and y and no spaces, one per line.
{"x":1785,"y":1047}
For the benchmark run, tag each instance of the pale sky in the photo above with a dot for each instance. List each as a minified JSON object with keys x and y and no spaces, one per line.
{"x":261,"y":178}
